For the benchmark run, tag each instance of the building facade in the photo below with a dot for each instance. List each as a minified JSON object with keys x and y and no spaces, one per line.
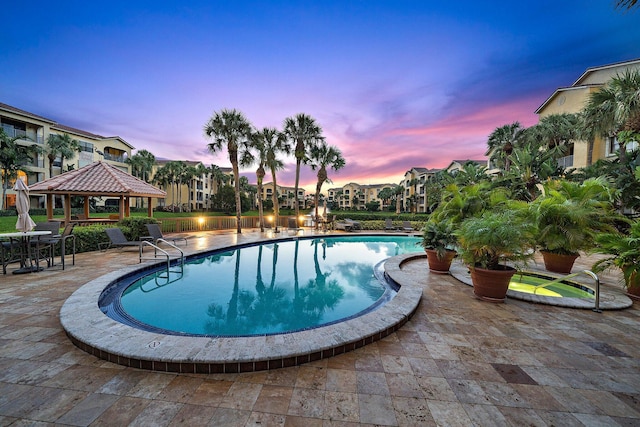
{"x":32,"y":129}
{"x":573,"y":98}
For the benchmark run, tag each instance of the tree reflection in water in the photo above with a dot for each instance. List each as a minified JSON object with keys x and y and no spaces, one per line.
{"x":309,"y":284}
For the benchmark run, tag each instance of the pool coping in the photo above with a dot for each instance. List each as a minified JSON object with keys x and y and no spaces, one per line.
{"x":94,"y":332}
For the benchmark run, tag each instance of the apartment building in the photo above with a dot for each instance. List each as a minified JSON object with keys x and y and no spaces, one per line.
{"x":572,"y":99}
{"x":195,"y":189}
{"x":32,"y":129}
{"x":356,"y":196}
{"x":285,"y":195}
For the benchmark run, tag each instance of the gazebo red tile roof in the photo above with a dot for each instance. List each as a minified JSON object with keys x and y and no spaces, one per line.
{"x":97,"y":179}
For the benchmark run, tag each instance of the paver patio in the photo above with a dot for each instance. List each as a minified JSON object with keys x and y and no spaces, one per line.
{"x":458,"y":361}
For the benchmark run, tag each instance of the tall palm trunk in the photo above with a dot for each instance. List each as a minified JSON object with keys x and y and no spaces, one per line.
{"x":260,"y":173}
{"x":236,"y":174}
{"x":322,"y":177}
{"x":274,"y":198}
{"x":299,"y":153}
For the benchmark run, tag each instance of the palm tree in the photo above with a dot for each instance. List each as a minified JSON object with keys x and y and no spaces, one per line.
{"x":162,"y":177}
{"x":13,"y":158}
{"x":321,"y":156}
{"x":615,"y":109}
{"x":257,"y":144}
{"x":230,"y":128}
{"x":62,"y":146}
{"x":274,"y":143}
{"x":398,"y":191}
{"x":303,"y":131}
{"x":626,"y":4}
{"x":142,"y":165}
{"x":502,"y":141}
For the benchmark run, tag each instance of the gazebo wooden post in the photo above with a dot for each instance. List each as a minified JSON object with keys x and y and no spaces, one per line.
{"x":127,"y":206}
{"x":149,"y":208}
{"x":50,"y":206}
{"x":67,"y":208}
{"x":86,"y":207}
{"x":121,"y":208}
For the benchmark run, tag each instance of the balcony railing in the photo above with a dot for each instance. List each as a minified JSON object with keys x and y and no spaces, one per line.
{"x":13,"y":132}
{"x":114,"y":157}
{"x":565,"y":162}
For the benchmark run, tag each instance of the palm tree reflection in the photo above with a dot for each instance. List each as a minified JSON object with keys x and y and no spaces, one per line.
{"x":272,"y":308}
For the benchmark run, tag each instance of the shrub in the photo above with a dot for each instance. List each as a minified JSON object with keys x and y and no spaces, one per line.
{"x":135,"y":227}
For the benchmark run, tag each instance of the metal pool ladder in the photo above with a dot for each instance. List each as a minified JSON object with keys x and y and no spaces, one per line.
{"x":157,"y":249}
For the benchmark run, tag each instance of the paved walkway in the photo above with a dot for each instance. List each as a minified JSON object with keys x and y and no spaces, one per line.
{"x":458,"y":361}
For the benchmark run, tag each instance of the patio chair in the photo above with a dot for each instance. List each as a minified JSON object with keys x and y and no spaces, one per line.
{"x":388,"y":225}
{"x":44,"y":245}
{"x":56,"y":238}
{"x":117,"y":239}
{"x":10,"y":252}
{"x":406,"y":227}
{"x":155,"y":233}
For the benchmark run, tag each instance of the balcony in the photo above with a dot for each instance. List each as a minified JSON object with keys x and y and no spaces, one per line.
{"x":113,"y":157}
{"x":566,"y":161}
{"x":13,"y":132}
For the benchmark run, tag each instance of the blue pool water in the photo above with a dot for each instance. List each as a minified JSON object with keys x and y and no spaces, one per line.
{"x":274,"y":287}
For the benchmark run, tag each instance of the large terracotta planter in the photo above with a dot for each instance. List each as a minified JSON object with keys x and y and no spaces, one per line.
{"x":437,"y":265}
{"x":491,"y":285}
{"x":558,"y":263}
{"x":633,"y":286}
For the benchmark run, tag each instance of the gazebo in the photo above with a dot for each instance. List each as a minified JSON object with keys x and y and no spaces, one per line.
{"x":99,"y":179}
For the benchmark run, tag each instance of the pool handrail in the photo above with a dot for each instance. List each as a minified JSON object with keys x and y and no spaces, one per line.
{"x":590,"y":273}
{"x":156,"y":248}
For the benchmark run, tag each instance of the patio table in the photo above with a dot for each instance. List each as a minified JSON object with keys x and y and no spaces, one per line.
{"x":25,"y":249}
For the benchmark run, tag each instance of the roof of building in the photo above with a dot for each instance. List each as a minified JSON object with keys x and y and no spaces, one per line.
{"x":12,"y":109}
{"x":57,"y":126}
{"x":592,"y":70}
{"x":578,"y":83}
{"x":97,"y":179}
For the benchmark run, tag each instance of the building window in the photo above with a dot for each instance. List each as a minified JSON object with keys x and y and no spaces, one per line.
{"x":85,"y":146}
{"x":613,"y":146}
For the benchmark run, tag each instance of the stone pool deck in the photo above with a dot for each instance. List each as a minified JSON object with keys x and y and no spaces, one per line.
{"x":457,"y":362}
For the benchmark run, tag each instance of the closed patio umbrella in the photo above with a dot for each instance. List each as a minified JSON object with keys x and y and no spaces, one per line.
{"x":24,"y":223}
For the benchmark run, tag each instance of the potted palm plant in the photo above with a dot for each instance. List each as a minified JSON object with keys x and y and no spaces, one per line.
{"x":567,"y":218}
{"x":489,"y":243}
{"x":438,"y":241}
{"x":624,"y":251}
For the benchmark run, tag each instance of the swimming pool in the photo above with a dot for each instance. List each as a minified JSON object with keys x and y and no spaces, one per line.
{"x":98,"y":334}
{"x":270,"y":288}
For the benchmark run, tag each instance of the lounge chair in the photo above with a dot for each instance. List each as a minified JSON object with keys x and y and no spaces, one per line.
{"x":292,"y":225}
{"x":355,"y":225}
{"x":388,"y":225}
{"x":406,"y":227}
{"x":343,"y":225}
{"x":117,"y":239}
{"x":155,"y":233}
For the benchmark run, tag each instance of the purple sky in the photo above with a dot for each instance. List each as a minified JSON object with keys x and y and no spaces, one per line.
{"x":394,"y":84}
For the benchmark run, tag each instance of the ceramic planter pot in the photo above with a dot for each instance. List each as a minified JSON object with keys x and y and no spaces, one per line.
{"x":633,"y":287}
{"x":437,"y":265}
{"x":558,"y":263}
{"x":491,"y":285}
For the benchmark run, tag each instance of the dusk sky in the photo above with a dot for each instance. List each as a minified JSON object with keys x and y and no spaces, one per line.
{"x":393,"y":84}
